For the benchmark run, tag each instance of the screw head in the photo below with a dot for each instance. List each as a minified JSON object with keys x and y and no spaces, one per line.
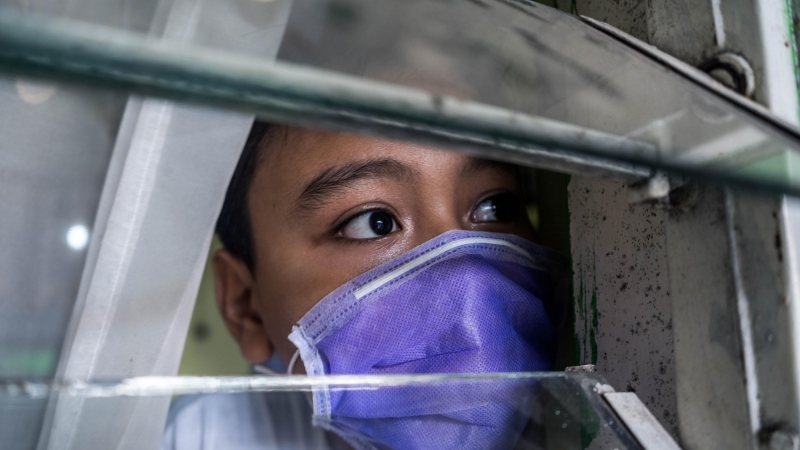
{"x":784,"y":440}
{"x":733,"y":71}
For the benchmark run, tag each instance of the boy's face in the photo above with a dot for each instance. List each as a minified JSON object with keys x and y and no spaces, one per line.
{"x":325,"y":207}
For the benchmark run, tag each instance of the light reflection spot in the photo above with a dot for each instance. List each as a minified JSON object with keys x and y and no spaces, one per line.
{"x":77,"y":237}
{"x":35,"y":92}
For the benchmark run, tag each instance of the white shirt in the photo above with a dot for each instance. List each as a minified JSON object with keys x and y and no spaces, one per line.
{"x":256,"y":420}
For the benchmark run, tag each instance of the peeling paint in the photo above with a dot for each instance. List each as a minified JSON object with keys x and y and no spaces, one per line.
{"x":586,"y":317}
{"x":594,"y":326}
{"x":579,"y":315}
{"x":787,"y":13}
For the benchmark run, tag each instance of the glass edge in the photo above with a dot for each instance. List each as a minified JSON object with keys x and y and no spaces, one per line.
{"x":174,"y":385}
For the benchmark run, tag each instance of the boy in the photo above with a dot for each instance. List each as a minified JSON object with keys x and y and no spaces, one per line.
{"x":308,"y":215}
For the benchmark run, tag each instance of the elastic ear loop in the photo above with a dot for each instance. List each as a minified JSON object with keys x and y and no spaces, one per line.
{"x":267,"y":371}
{"x":293,"y":361}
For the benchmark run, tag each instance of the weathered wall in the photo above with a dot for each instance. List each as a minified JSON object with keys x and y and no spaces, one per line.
{"x":624,"y":310}
{"x":623,"y":314}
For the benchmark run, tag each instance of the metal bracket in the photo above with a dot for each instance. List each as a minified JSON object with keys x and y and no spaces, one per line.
{"x":665,"y":192}
{"x":586,"y":368}
{"x":640,"y":421}
{"x":653,"y":190}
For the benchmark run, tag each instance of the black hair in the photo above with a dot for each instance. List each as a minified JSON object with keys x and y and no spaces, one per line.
{"x":233,"y":224}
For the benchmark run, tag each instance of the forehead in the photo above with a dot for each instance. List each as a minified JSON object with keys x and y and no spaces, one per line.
{"x":297,"y":155}
{"x":301,"y":146}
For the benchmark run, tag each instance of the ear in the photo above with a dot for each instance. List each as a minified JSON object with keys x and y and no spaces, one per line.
{"x":237,"y":302}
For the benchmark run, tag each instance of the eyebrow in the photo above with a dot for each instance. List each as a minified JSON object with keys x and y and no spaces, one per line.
{"x":334,"y":180}
{"x":474,"y":165}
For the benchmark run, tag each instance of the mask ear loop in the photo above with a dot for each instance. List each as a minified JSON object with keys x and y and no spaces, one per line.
{"x":267,"y":371}
{"x":293,"y":361}
{"x":258,"y":368}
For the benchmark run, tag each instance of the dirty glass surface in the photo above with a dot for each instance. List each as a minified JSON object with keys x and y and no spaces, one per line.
{"x":507,"y":78}
{"x":513,"y":411}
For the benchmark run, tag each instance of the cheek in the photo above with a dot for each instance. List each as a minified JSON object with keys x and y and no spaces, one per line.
{"x":289,"y":286}
{"x":287,"y":289}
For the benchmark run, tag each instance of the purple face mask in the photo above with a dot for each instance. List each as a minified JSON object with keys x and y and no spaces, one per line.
{"x":464,"y":302}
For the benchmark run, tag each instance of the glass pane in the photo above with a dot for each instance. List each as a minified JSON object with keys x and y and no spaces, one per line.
{"x":55,"y":150}
{"x":510,"y":79}
{"x":519,"y":411}
{"x":504,"y":79}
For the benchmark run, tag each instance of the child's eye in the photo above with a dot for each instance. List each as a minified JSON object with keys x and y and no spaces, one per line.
{"x":370,"y":225}
{"x":499,"y":208}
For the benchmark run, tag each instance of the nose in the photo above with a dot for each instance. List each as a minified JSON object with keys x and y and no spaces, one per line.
{"x":440,"y":217}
